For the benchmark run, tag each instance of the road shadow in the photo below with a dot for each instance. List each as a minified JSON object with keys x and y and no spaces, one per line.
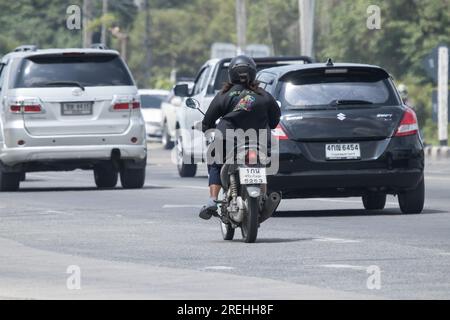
{"x":267,"y":240}
{"x":75,"y":189}
{"x":280,"y":240}
{"x":346,"y":213}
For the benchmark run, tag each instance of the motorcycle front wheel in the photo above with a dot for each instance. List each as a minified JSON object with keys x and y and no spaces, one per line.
{"x":227,"y":229}
{"x":249,"y":227}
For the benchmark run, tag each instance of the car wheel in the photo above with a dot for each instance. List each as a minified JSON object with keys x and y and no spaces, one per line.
{"x":105,"y":175}
{"x":166,"y":140}
{"x":132,"y":178}
{"x":374,"y":201}
{"x":412,"y":201}
{"x":9,"y":181}
{"x":184,"y":170}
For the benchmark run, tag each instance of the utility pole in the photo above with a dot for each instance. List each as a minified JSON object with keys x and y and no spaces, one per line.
{"x":241,"y":25}
{"x":306,"y":15}
{"x":87,"y":15}
{"x":104,"y":13}
{"x":443,"y":95}
{"x":147,"y":42}
{"x":123,"y":39}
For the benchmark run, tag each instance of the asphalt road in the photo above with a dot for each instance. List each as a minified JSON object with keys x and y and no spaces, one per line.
{"x":149,"y":243}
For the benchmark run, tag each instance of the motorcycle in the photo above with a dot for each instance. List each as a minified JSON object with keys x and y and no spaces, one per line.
{"x":244,"y":201}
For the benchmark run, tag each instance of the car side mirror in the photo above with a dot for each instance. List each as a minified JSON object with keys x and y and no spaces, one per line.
{"x":181,"y":90}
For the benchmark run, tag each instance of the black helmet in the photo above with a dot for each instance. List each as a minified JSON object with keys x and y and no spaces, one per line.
{"x":242,"y":70}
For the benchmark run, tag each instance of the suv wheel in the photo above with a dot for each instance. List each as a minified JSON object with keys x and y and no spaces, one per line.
{"x":374,"y":201}
{"x":166,"y":140}
{"x":9,"y":181}
{"x":412,"y":201}
{"x":184,"y":170}
{"x":105,"y":175}
{"x":132,"y":178}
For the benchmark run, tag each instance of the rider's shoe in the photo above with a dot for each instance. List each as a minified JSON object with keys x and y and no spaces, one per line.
{"x":208,"y":210}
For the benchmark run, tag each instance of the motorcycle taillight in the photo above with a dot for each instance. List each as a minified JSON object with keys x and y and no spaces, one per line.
{"x":251,"y":157}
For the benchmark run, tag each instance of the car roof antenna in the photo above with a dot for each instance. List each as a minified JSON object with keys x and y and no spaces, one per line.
{"x":330,"y":62}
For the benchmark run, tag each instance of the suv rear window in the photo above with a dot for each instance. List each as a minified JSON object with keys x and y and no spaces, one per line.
{"x":85,"y":69}
{"x":322,"y":88}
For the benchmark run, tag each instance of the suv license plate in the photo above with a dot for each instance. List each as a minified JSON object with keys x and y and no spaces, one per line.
{"x":76,"y":108}
{"x":252,"y":175}
{"x":343,"y":151}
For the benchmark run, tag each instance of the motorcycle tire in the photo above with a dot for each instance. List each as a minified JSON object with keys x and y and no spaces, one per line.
{"x":249,"y":227}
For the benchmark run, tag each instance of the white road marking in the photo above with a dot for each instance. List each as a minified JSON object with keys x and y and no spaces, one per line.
{"x":343,"y":266}
{"x":437,"y":178}
{"x":335,"y":240}
{"x":168,"y":206}
{"x":345,"y":201}
{"x":177,"y":186}
{"x":218,"y":268}
{"x":56,"y":212}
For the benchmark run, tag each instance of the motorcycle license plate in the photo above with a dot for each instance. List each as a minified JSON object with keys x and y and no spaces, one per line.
{"x":252,"y":175}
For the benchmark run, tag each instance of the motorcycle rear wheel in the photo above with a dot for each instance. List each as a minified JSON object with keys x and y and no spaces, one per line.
{"x":249,"y":227}
{"x":227,"y":229}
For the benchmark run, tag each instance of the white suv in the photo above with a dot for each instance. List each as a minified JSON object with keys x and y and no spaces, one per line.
{"x":67,"y":109}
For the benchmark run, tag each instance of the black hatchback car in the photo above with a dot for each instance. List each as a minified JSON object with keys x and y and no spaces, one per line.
{"x":344,"y":132}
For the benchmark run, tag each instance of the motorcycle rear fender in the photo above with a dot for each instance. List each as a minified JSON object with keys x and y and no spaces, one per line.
{"x":254,"y":191}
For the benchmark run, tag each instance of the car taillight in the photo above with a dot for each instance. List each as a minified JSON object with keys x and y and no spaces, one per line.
{"x":15,"y":109}
{"x":121,"y":106}
{"x":251,"y":157}
{"x":408,"y":126}
{"x":126,"y":105}
{"x":279,"y":133}
{"x":26,"y":108}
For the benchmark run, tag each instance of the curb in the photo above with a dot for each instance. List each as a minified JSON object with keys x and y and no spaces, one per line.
{"x":437,"y":153}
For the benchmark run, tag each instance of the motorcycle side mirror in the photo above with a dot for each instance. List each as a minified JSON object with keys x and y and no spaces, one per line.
{"x":192,"y":103}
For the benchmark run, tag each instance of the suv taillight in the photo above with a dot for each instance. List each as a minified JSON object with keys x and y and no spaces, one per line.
{"x":409,"y":125}
{"x":124,"y":103}
{"x":25,"y":107}
{"x":279,"y":133}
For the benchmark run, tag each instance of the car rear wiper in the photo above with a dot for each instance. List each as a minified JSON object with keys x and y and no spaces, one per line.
{"x":65,"y":84}
{"x":349,"y":102}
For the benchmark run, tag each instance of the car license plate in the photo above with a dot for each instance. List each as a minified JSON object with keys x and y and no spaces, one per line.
{"x":76,"y":108}
{"x":343,"y":151}
{"x":252,"y":175}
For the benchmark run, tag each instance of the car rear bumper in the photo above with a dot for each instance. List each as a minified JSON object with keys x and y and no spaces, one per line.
{"x":354,"y":180}
{"x":13,"y":156}
{"x":153,"y":130}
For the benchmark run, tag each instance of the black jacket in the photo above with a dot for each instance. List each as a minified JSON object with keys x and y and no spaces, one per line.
{"x":241,"y":108}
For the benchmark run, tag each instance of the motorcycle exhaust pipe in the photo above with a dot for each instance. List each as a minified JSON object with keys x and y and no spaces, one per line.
{"x":270,"y":205}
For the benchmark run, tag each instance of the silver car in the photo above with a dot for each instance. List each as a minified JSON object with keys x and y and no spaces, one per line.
{"x":67,"y":109}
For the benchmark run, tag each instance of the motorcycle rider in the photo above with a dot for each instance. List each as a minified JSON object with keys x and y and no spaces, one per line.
{"x":241,"y":104}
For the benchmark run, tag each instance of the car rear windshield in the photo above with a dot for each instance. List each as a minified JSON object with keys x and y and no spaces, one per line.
{"x":86,"y":70}
{"x":152,"y":101}
{"x":322,"y":88}
{"x":222,"y":76}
